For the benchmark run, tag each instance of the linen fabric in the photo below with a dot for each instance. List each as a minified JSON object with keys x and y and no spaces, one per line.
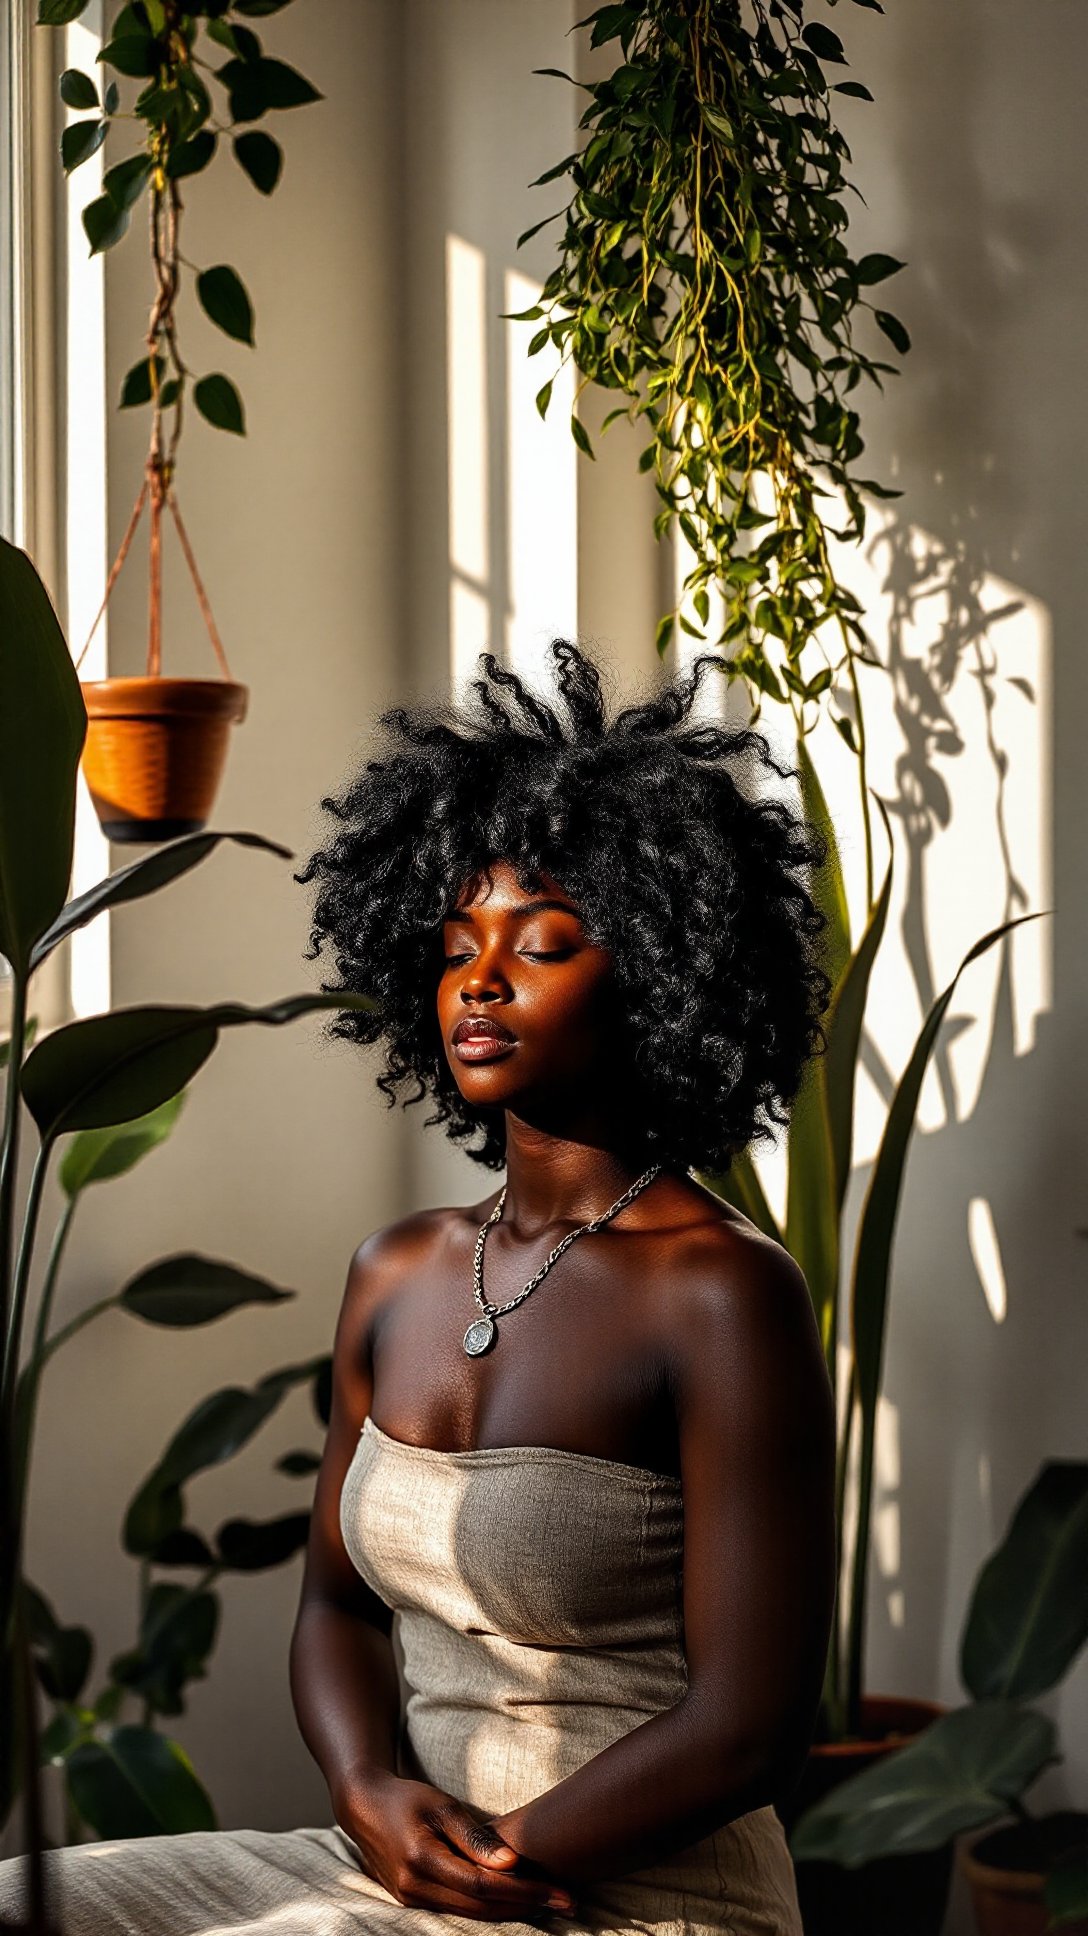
{"x":537,"y":1598}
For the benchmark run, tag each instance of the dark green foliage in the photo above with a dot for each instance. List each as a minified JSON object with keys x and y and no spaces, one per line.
{"x":704,"y":273}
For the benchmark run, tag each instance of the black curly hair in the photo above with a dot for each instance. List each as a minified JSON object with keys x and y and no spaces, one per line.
{"x":699,"y":888}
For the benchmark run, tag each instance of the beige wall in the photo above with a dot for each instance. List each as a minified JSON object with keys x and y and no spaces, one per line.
{"x":324,"y":542}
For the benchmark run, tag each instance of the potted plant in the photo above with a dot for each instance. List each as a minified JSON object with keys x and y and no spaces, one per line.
{"x":156,"y":745}
{"x":1026,"y":1626}
{"x":88,"y":1075}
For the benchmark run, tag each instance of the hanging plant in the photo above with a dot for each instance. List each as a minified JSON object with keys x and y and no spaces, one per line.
{"x":703,"y":271}
{"x":202,"y":78}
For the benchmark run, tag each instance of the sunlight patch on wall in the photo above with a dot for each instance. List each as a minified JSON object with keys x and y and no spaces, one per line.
{"x":86,"y":533}
{"x":985,"y":1248}
{"x":467,"y":460}
{"x":541,"y":495}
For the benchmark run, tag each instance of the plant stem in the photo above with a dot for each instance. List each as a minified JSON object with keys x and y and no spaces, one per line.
{"x":26,"y":1401}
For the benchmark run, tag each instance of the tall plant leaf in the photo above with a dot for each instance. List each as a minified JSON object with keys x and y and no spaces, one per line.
{"x":187,"y":1289}
{"x":1028,"y":1618}
{"x":869,"y":1289}
{"x":110,"y":1068}
{"x":96,"y":1155}
{"x":829,"y":887}
{"x":143,"y":877}
{"x":43,"y":723}
{"x":133,"y":1781}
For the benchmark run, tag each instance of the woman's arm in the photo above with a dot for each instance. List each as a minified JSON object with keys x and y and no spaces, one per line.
{"x":423,"y":1845}
{"x":756,"y":1422}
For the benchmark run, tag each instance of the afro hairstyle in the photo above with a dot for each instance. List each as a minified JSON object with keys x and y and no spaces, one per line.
{"x":698,"y":884}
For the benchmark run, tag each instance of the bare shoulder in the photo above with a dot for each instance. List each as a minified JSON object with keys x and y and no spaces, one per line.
{"x":398,"y":1252}
{"x":742,"y":1319}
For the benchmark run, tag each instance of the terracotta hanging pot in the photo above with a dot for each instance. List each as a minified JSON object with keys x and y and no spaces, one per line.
{"x":897,"y":1895}
{"x":156,"y":747}
{"x":1006,"y":1887}
{"x":155,"y":751}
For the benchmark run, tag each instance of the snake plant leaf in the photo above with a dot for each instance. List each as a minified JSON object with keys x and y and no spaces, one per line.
{"x":962,"y":1772}
{"x":828,"y":887}
{"x":872,"y":1267}
{"x":96,"y":1155}
{"x":134,"y":1781}
{"x":43,"y":724}
{"x":248,"y":1545}
{"x":110,"y":1068}
{"x":141,"y":878}
{"x":187,"y":1289}
{"x":740,"y":1185}
{"x":1028,"y":1618}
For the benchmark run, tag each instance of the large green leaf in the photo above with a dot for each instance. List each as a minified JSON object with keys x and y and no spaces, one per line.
{"x":111,"y":1068}
{"x":1028,"y":1618}
{"x":963,"y":1771}
{"x":143,"y":877}
{"x":43,"y":723}
{"x":188,"y":1289}
{"x":133,"y":1781}
{"x":96,"y":1155}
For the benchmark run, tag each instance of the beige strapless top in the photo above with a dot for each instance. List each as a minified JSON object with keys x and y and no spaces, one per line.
{"x":537,"y":1596}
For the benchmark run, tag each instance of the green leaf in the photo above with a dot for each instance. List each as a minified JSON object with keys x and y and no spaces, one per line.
{"x":958,"y":1774}
{"x":77,"y":90}
{"x":191,"y":156}
{"x":544,"y":397}
{"x":823,"y":43}
{"x":217,"y":399}
{"x":137,"y":386}
{"x":261,"y":157}
{"x":97,"y":1155}
{"x":188,"y":1289}
{"x":79,"y":141}
{"x":43,"y":724}
{"x":177,"y":1633}
{"x":1028,"y":1618}
{"x":249,"y":1546}
{"x":125,"y":183}
{"x":57,"y":13}
{"x":893,"y":330}
{"x":581,"y":436}
{"x":182,"y":1547}
{"x":133,"y":1782}
{"x":142,"y":877}
{"x":258,"y":9}
{"x":718,"y":122}
{"x":104,"y":223}
{"x":223,"y":297}
{"x":299,"y":1465}
{"x":857,"y":88}
{"x":111,"y":100}
{"x":136,"y":54}
{"x":109,"y":1068}
{"x":1066,"y":1890}
{"x":876,"y":268}
{"x":255,"y":86}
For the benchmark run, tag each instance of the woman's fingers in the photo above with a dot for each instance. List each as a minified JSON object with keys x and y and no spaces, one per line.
{"x":466,"y":1874}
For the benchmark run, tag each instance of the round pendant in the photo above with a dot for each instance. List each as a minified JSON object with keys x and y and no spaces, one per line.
{"x":479,"y":1336}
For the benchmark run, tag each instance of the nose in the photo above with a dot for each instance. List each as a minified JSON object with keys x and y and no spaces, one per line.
{"x":484,"y":980}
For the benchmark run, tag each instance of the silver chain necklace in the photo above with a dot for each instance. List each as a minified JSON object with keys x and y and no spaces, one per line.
{"x":481,"y":1332}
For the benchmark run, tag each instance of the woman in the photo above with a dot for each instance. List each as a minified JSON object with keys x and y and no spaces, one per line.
{"x":569,"y":1581}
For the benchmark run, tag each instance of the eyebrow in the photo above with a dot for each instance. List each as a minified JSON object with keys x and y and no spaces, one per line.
{"x":525,"y":907}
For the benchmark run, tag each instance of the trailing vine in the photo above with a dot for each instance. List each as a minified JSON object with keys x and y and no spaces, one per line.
{"x":703,"y":271}
{"x":172,"y":49}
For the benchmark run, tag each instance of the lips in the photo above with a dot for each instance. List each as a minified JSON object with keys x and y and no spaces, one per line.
{"x":481,"y":1028}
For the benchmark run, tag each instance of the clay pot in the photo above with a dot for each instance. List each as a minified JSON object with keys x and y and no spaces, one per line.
{"x":898,"y":1895}
{"x":155,"y":752}
{"x":1006,"y":1890}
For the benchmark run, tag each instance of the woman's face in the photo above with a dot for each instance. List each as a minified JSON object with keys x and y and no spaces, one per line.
{"x":523,"y":997}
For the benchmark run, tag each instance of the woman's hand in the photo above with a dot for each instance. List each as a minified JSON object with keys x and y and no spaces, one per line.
{"x":430,"y":1851}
